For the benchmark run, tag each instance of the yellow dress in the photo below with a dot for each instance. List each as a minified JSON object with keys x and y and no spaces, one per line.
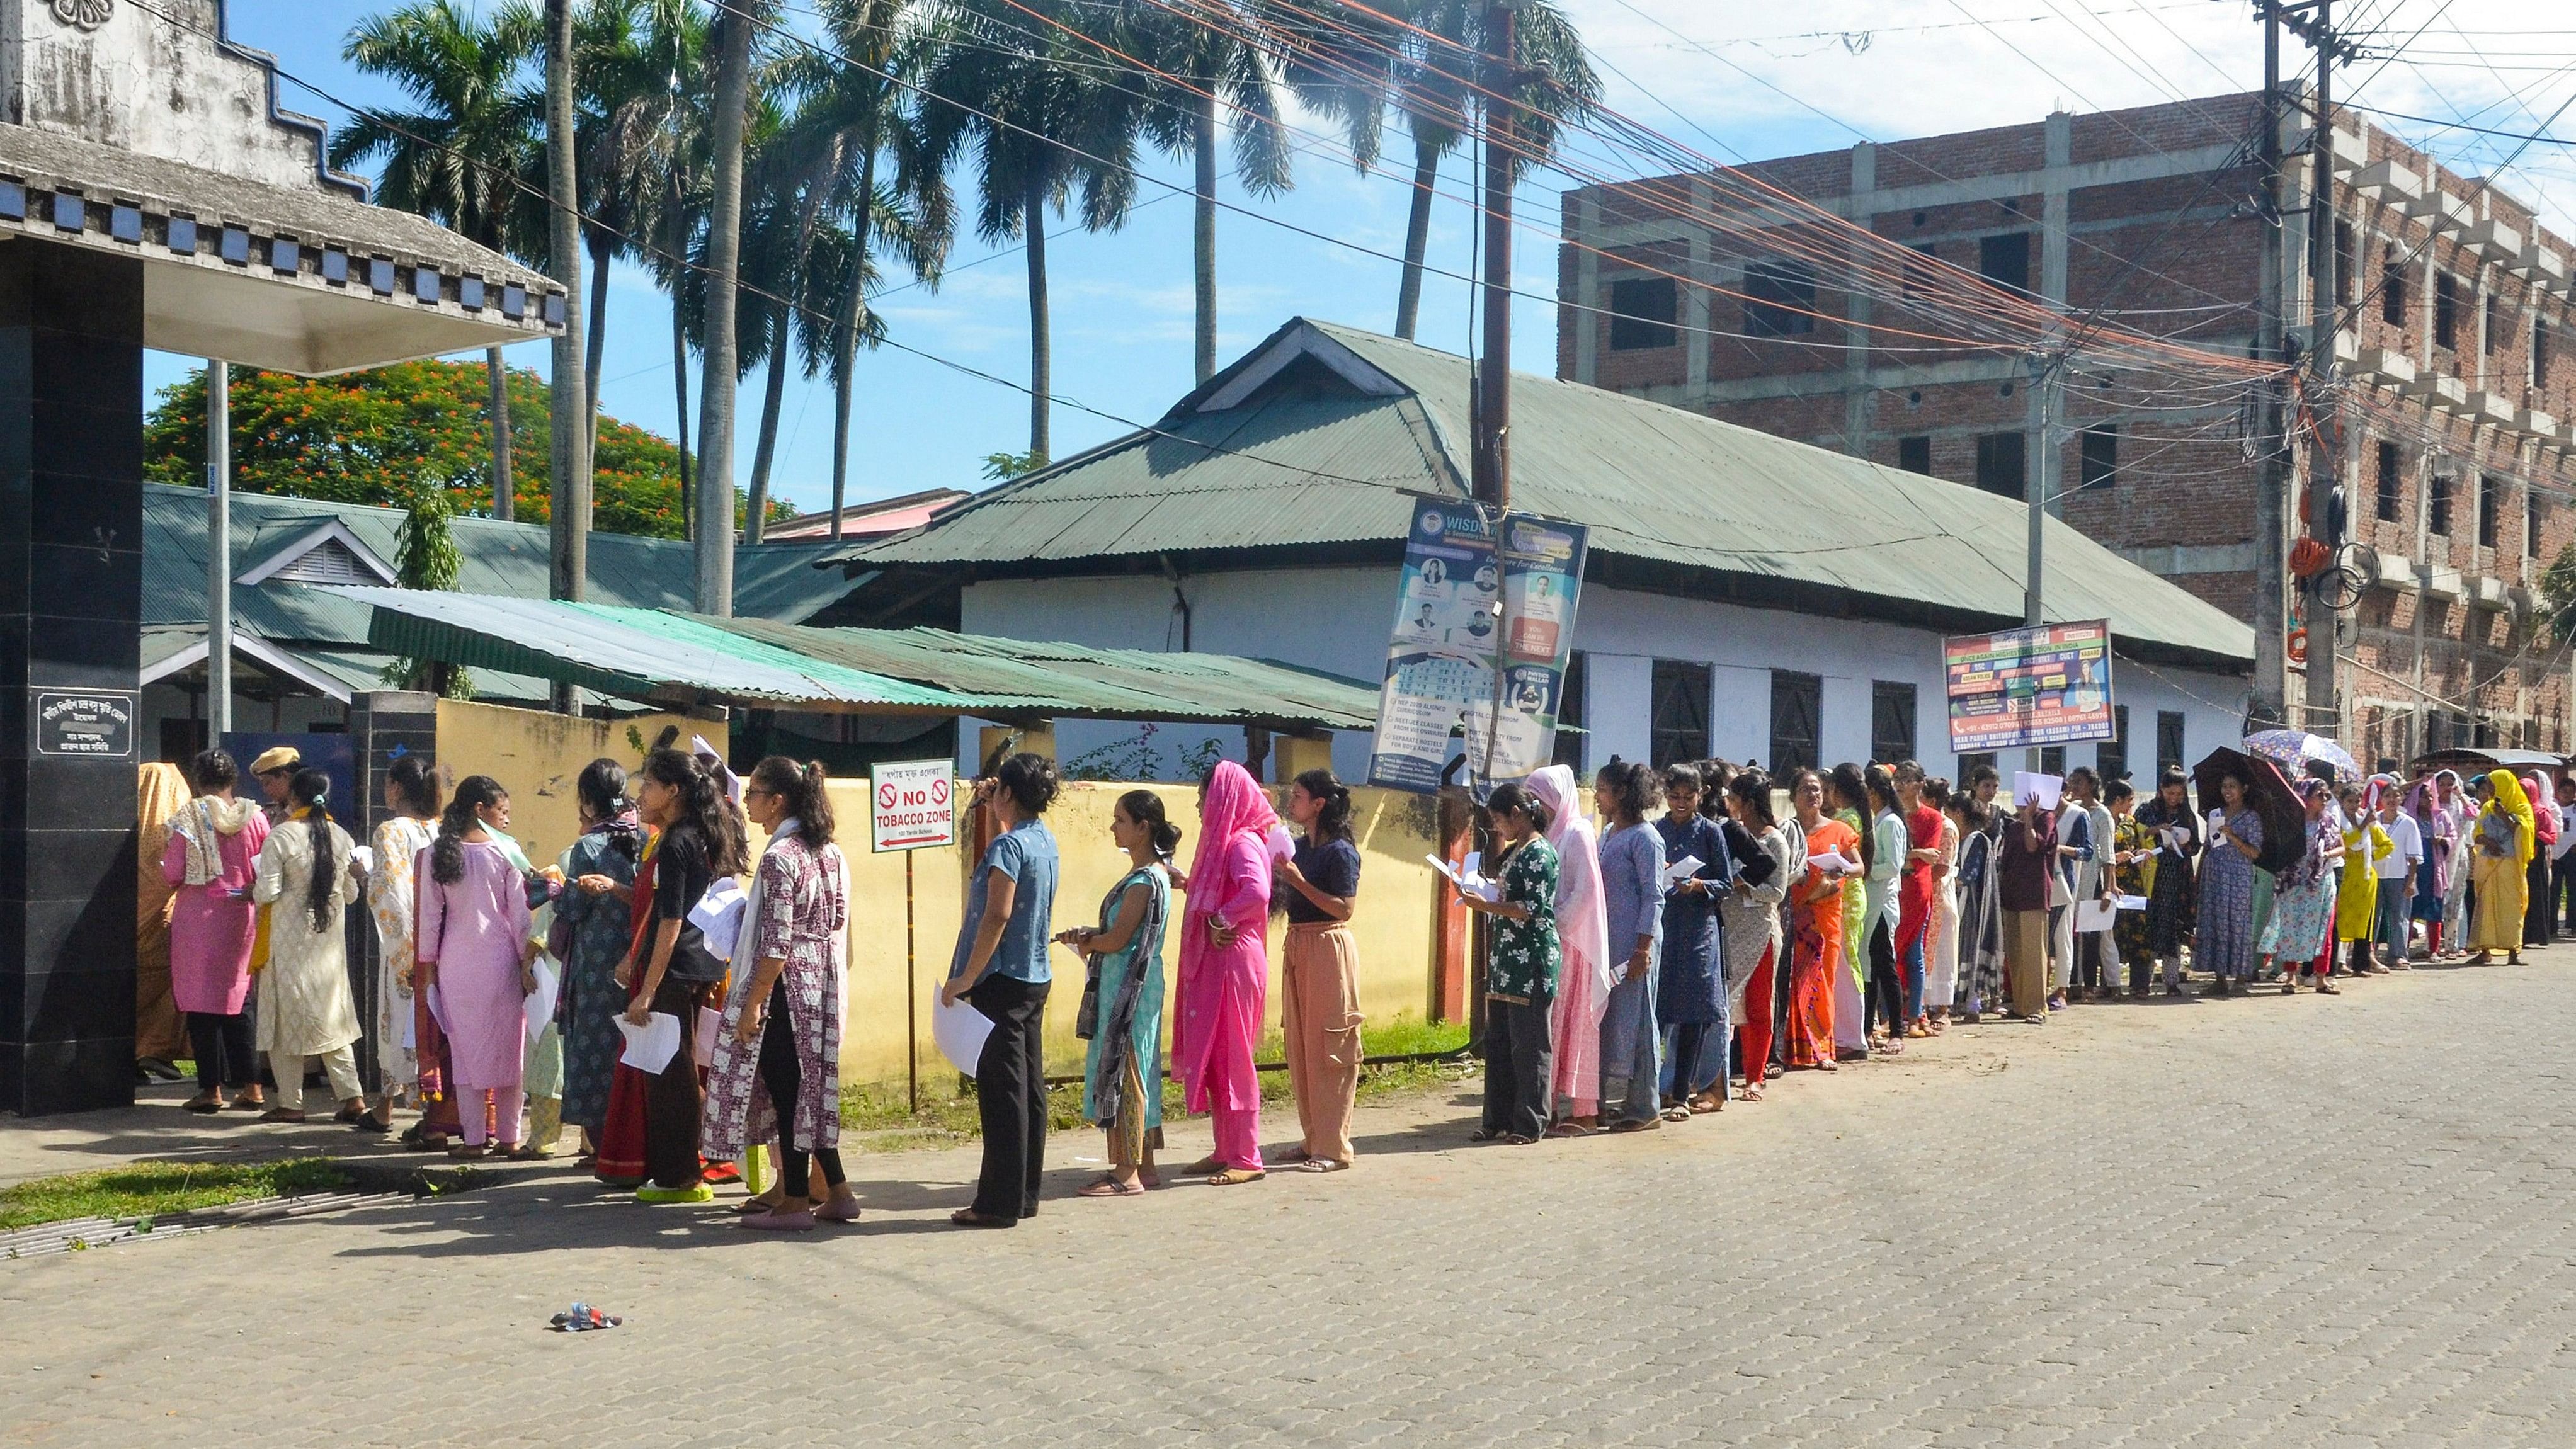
{"x":2503,"y":887}
{"x":2357,"y":900}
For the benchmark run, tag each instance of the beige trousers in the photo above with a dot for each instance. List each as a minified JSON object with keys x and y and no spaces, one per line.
{"x":340,"y":1064}
{"x":1320,"y":1016}
{"x":2026,"y":961}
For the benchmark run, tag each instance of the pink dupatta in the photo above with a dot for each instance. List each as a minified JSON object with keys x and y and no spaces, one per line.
{"x":1217,"y":1024}
{"x":1583,"y":937}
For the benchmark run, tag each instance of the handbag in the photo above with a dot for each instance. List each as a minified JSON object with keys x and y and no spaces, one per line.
{"x":1086,"y":1017}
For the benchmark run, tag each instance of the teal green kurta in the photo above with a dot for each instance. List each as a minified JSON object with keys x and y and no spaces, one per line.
{"x":1145,"y":1034}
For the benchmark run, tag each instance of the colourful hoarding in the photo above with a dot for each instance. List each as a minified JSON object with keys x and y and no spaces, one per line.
{"x":1440,"y":658}
{"x":2046,"y":685}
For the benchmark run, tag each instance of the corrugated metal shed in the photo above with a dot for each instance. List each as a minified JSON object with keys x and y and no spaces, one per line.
{"x":1328,"y":434}
{"x":676,"y":659}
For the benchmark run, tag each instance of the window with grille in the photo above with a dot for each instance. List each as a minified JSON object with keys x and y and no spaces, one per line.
{"x":2391,"y":485}
{"x":1891,"y":721}
{"x":2530,"y":521}
{"x":2437,"y":505}
{"x":2539,"y":352}
{"x":2488,"y":487}
{"x":1642,"y":313}
{"x":1779,"y":298}
{"x":2003,"y":464}
{"x":2168,"y":740}
{"x":1797,"y":720}
{"x":1569,"y":711}
{"x":2100,"y":461}
{"x":1681,"y":711}
{"x":2052,"y":760}
{"x":2446,"y":311}
{"x":2347,"y":261}
{"x":1914,"y":454}
{"x":2392,"y":288}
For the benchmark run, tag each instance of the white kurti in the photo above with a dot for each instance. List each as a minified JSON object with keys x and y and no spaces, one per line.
{"x":304,"y":1004}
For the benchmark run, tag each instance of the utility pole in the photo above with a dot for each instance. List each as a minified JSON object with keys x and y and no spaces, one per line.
{"x":2324,"y":713}
{"x":570,"y":390}
{"x":219,"y":551}
{"x":1491,"y":464}
{"x":2037,"y":490}
{"x":2271,"y":513}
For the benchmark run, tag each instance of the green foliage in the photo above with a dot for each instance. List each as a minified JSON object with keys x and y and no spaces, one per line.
{"x":2558,"y":595}
{"x":148,"y":1189}
{"x":369,"y":437}
{"x":1003,"y":467}
{"x":1131,"y":758}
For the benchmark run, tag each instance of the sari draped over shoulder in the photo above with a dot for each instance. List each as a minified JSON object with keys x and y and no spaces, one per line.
{"x":1587,"y":972}
{"x":1224,"y":988}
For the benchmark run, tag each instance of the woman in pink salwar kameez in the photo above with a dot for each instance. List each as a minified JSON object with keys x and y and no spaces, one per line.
{"x":1225,"y":970}
{"x":473,"y":948}
{"x":210,"y":862}
{"x":1583,"y":936}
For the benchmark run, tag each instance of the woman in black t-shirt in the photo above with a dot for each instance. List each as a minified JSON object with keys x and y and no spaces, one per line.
{"x":701,"y":838}
{"x":1320,"y":1010}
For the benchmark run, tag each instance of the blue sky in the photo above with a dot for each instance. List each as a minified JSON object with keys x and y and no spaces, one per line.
{"x":1733,"y":81}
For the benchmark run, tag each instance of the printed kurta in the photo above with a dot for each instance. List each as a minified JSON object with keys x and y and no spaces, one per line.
{"x":1941,"y":938}
{"x":1122,"y":1064}
{"x":2303,"y":905}
{"x":795,"y":908}
{"x":2224,"y":940}
{"x":1752,"y":923}
{"x":210,"y":932}
{"x":2130,"y":930}
{"x":1981,"y":923}
{"x":2173,"y":890}
{"x":473,"y":929}
{"x":304,"y":1004}
{"x":392,"y":895}
{"x":593,"y":932}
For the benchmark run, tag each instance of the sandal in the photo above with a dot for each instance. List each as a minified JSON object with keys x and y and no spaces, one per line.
{"x":349,"y":1116}
{"x":204,"y":1104}
{"x":1483,"y":1135}
{"x":1322,"y":1164}
{"x":1110,"y":1187}
{"x":248,"y":1104}
{"x":1703,"y":1104}
{"x":1637,"y":1124}
{"x":967,"y":1217}
{"x":1236,"y":1177}
{"x":1571,"y":1129}
{"x":1677,"y":1114}
{"x":2328,"y":988}
{"x":1518,"y":1139}
{"x":1752,"y":1093}
{"x":468,"y":1152}
{"x":280,"y":1114}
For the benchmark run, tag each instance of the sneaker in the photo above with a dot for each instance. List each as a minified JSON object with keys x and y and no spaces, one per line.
{"x":696,"y":1192}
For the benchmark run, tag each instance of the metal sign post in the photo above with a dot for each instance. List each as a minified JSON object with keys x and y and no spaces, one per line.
{"x":912,"y":805}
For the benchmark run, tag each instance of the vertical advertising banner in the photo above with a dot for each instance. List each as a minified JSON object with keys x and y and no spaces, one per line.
{"x":1542,"y":564}
{"x":1440,"y":660}
{"x":1484,"y":621}
{"x":2046,"y":685}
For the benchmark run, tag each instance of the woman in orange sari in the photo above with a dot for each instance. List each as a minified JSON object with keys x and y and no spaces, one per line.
{"x":1817,"y":897}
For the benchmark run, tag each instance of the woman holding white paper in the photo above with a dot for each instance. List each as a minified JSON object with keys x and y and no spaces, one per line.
{"x":1225,"y":971}
{"x":669,"y":970}
{"x":999,"y":969}
{"x":473,"y":947}
{"x":1582,"y":991}
{"x":1816,"y":969}
{"x":1122,"y":1015}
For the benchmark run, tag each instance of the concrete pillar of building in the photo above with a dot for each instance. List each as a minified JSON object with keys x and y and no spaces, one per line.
{"x":71,"y":602}
{"x":1294,"y":755}
{"x":1036,"y":739}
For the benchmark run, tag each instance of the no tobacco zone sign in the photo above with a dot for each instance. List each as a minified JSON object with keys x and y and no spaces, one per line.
{"x":911,"y":804}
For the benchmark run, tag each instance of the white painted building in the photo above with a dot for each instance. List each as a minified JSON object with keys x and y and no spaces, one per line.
{"x":1746,"y":596}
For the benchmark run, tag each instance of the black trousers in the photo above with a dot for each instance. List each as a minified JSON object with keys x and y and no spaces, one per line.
{"x":222,"y":1044}
{"x":2563,"y":888}
{"x":780,"y":1074}
{"x":1010,"y":1096}
{"x":1884,"y":1005}
{"x":2088,"y":961}
{"x":674,"y":1098}
{"x":1518,"y":1055}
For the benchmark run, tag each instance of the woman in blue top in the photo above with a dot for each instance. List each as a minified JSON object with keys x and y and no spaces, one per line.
{"x":1122,"y":1017}
{"x":1001,"y":969}
{"x":1632,"y":896}
{"x":1690,"y":997}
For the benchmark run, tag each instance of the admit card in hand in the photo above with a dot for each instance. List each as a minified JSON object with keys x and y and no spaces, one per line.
{"x":1468,"y":880}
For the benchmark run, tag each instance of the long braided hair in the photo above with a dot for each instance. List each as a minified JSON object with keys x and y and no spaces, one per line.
{"x":462,"y":815}
{"x":703,"y":804}
{"x":312,"y":790}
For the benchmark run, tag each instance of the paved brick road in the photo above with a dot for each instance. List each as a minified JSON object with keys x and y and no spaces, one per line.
{"x":2262,"y":1222}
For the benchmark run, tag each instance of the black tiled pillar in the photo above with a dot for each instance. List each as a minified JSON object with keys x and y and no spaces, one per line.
{"x":384,"y":726}
{"x":71,"y":569}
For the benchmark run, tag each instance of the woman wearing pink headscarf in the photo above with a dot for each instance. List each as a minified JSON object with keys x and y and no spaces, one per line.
{"x":2536,"y":915}
{"x":1583,"y":933}
{"x":1225,"y":970}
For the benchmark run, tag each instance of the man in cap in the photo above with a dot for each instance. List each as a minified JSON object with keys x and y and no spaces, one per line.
{"x":275,"y":770}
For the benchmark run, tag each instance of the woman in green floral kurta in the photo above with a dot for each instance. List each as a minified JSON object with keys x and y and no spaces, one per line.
{"x":1521,"y":970}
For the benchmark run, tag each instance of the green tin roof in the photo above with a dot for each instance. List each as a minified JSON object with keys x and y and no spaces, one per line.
{"x":674,"y":659}
{"x":1322,"y":439}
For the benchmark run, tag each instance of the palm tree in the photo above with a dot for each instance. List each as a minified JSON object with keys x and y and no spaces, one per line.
{"x":732,"y":93}
{"x":1216,"y":62}
{"x":572,"y":417}
{"x":632,"y":57}
{"x":1431,"y":80}
{"x":1047,"y":115}
{"x":459,"y":158}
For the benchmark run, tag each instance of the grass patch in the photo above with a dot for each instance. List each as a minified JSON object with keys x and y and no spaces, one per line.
{"x":149,"y":1189}
{"x":948,"y":1110}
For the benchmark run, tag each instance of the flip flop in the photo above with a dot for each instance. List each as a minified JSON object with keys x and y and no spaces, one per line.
{"x":280,"y":1114}
{"x":1572,"y":1129}
{"x":1110,"y":1187}
{"x":967,"y":1217}
{"x":1632,"y":1124}
{"x":1321,"y":1164}
{"x":1677,"y":1114}
{"x":1236,"y":1177}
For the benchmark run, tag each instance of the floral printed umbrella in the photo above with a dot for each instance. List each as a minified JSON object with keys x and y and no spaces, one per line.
{"x":2299,"y":753}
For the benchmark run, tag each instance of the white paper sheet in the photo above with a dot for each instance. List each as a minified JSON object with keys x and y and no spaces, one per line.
{"x":364,"y":858}
{"x":960,"y":1031}
{"x":437,"y":1008}
{"x":718,"y":916}
{"x":541,"y":1002}
{"x":1829,"y":862}
{"x":1677,"y":871}
{"x":710,"y":1021}
{"x":2027,"y":783}
{"x":2093,"y":916}
{"x":2130,"y":903}
{"x":1282,"y":844}
{"x":650,"y":1047}
{"x":1467,"y":880}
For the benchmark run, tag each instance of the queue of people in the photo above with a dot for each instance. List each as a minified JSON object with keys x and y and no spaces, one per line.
{"x":1646,"y":962}
{"x":1887,"y":906}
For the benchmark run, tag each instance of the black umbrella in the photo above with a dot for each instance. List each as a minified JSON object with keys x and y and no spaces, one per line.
{"x":2267,"y":794}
